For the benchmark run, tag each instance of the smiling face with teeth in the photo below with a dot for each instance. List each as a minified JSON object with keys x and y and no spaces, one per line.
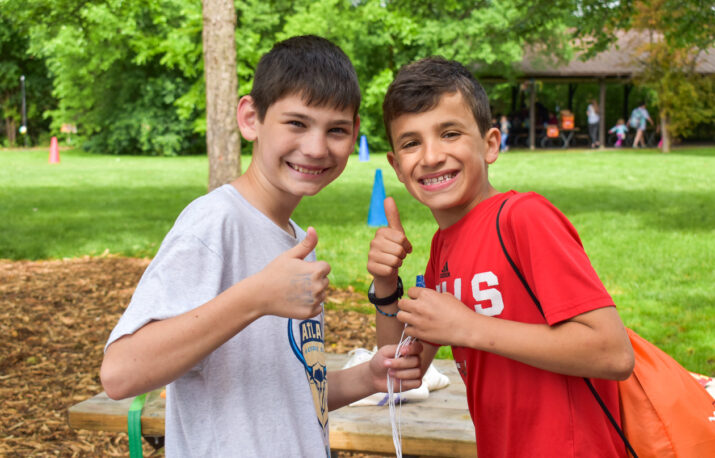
{"x":298,"y":149}
{"x":441,"y":157}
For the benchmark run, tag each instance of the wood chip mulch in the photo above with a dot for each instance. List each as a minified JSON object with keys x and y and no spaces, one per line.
{"x":55,"y":317}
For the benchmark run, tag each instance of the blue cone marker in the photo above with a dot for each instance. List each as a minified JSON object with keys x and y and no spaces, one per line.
{"x":420,"y":281}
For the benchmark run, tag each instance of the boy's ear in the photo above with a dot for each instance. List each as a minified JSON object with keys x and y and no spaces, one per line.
{"x":395,"y":164}
{"x":356,"y":128}
{"x":247,"y":117}
{"x":493,"y":142}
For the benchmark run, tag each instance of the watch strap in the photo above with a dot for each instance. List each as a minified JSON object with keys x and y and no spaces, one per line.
{"x":382,"y":301}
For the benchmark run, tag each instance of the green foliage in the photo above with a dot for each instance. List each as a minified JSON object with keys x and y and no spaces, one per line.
{"x":687,"y":99}
{"x":129,"y":73}
{"x":143,"y":125}
{"x":15,"y":61}
{"x":120,"y":70}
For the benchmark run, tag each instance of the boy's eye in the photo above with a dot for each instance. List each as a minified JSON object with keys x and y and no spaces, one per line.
{"x":451,"y":134}
{"x":338,"y":130}
{"x":409,"y":144}
{"x":295,"y":123}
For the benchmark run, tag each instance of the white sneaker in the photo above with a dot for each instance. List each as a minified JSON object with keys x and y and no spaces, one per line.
{"x":434,"y":379}
{"x":380,"y":399}
{"x":358,"y":356}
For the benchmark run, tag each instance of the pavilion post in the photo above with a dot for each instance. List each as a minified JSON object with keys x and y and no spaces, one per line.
{"x":602,"y":122}
{"x":532,"y":116}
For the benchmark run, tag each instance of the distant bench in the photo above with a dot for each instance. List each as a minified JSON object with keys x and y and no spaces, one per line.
{"x":437,"y":426}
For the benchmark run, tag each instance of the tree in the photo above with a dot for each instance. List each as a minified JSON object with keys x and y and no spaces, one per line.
{"x":678,"y":33}
{"x":120,"y":70}
{"x":222,"y":141}
{"x":669,"y":60}
{"x":13,"y":49}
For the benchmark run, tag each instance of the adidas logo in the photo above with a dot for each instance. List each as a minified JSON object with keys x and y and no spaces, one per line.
{"x":445,"y":271}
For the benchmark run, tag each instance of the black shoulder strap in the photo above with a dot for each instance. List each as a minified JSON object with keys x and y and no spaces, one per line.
{"x":538,"y":305}
{"x":513,"y":265}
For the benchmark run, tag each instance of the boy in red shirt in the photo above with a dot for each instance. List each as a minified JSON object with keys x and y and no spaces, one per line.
{"x":523,"y":370}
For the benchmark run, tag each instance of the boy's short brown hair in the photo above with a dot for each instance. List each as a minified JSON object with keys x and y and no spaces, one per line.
{"x":419,"y":86}
{"x":308,"y":65}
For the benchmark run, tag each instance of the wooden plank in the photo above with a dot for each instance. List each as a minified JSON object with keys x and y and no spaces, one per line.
{"x":100,"y":413}
{"x":437,"y":426}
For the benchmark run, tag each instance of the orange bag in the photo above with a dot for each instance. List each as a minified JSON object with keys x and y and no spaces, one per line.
{"x":552,"y":131}
{"x":665,"y":412}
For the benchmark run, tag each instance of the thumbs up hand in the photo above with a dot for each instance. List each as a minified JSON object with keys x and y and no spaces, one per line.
{"x":294,"y":287}
{"x":388,"y":249}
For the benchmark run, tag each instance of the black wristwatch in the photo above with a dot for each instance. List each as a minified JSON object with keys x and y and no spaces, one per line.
{"x":384,"y":300}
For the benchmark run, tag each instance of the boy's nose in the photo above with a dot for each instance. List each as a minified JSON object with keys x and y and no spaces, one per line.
{"x":433,"y":153}
{"x":315,"y":145}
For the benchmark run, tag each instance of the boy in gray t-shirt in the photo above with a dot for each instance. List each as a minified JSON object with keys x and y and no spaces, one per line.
{"x":229,"y":313}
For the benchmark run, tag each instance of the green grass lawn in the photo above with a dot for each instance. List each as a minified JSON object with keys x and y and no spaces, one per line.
{"x":647,"y":221}
{"x":88,"y":204}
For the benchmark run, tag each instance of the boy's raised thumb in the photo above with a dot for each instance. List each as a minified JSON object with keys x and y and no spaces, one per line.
{"x":393,"y":215}
{"x":306,"y":245}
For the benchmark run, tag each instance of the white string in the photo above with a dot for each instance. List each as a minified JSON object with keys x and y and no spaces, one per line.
{"x":395,"y":417}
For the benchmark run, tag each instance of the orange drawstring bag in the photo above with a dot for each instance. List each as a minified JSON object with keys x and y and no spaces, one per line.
{"x":665,"y":412}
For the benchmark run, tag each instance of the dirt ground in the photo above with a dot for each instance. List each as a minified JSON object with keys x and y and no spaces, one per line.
{"x":55,"y":317}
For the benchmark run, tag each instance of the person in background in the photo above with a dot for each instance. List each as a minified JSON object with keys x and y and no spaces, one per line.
{"x":504,"y":126}
{"x":638,"y":119}
{"x":620,"y":130}
{"x":553,"y":120}
{"x":593,"y":121}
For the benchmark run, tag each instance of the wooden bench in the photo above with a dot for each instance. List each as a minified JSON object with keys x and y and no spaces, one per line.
{"x":437,"y":426}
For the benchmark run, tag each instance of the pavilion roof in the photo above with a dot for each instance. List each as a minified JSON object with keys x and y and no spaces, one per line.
{"x":617,"y":62}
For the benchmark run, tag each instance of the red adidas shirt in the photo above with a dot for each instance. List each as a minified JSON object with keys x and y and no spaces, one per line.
{"x":519,"y":410}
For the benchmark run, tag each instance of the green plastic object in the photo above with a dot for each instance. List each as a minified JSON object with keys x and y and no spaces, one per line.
{"x":134,"y":426}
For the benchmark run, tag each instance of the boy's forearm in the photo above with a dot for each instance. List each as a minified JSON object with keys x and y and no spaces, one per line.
{"x":593,"y":344}
{"x":388,"y":328}
{"x":354,"y":383}
{"x":349,"y":385}
{"x":162,"y":351}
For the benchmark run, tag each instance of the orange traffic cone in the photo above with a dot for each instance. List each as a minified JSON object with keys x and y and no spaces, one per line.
{"x":54,"y":151}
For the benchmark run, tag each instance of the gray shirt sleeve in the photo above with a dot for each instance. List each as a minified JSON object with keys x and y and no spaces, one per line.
{"x":170,"y":286}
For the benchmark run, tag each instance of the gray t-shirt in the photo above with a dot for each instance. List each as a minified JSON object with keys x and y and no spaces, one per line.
{"x":262,"y":393}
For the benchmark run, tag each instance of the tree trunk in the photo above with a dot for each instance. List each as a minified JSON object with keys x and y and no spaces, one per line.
{"x":223,"y":145}
{"x":664,"y":134}
{"x":10,"y":131}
